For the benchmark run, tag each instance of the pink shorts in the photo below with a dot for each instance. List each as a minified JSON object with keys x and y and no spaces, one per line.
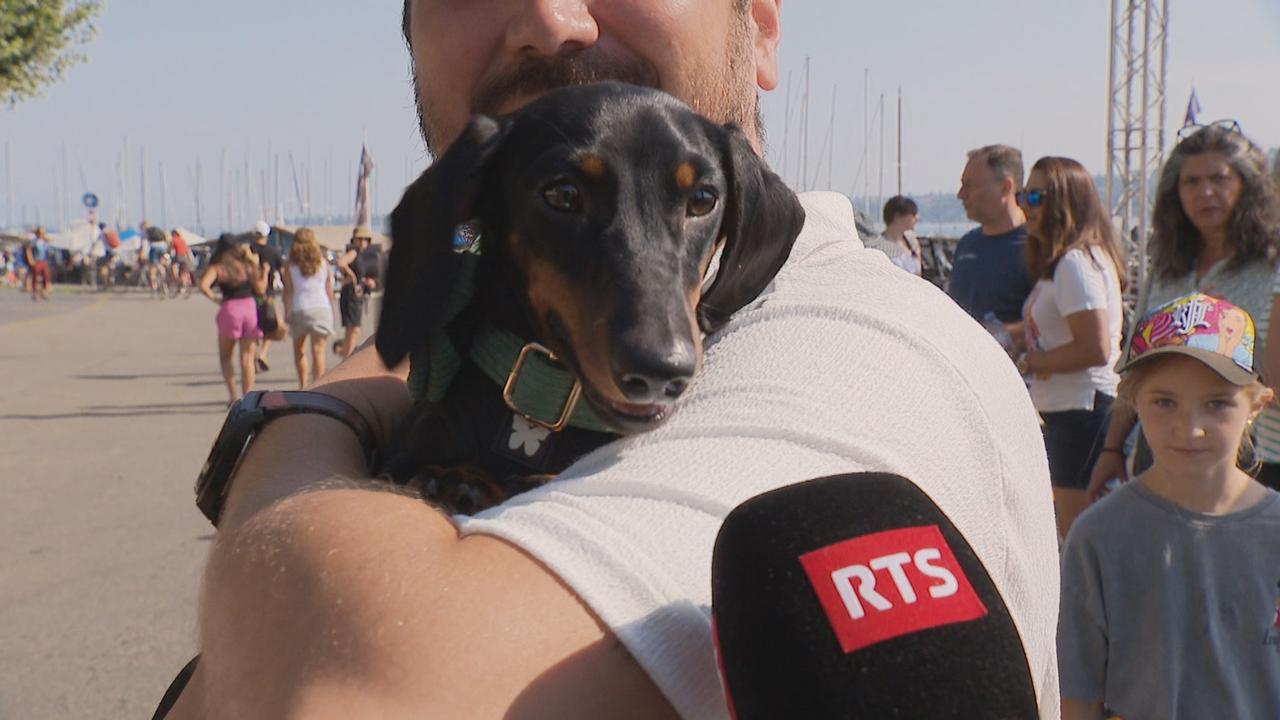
{"x":238,"y":318}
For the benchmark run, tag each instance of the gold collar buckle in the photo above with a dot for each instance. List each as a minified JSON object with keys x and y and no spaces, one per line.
{"x":508,"y":390}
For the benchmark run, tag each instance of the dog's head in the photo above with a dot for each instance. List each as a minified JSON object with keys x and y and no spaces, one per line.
{"x":601,"y":207}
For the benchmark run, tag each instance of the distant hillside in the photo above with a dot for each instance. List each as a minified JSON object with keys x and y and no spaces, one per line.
{"x":944,"y":208}
{"x":934,"y":208}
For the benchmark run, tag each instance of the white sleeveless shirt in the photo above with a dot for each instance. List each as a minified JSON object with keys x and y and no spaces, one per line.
{"x":308,"y":292}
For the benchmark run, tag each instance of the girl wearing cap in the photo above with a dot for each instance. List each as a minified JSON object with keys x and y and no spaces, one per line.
{"x":1168,"y":583}
{"x":1215,"y":229}
{"x":1072,"y":321}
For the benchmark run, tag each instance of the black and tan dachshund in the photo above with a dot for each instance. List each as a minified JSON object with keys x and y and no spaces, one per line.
{"x":582,"y":225}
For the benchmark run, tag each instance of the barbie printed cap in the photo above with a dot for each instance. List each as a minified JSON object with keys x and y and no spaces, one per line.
{"x":1213,"y":331}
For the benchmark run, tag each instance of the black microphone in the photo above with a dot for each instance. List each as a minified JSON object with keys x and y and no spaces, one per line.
{"x":855,"y":597}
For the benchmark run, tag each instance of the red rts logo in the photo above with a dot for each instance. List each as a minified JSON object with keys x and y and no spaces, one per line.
{"x":889,"y":584}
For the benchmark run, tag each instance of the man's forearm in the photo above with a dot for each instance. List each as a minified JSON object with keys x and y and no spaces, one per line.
{"x":300,"y":451}
{"x":290,"y":455}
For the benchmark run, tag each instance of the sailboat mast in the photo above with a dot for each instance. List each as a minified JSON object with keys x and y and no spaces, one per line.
{"x":142,"y":162}
{"x":66,"y":190}
{"x":866,"y":139}
{"x":8,"y":181}
{"x":199,"y":184}
{"x":899,"y":139}
{"x":831,"y":137}
{"x":881,"y":113}
{"x":804,"y":131}
{"x":164,"y":200}
{"x":786,"y":125}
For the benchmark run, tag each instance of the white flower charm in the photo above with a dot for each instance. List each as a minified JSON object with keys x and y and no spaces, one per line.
{"x":527,"y":435}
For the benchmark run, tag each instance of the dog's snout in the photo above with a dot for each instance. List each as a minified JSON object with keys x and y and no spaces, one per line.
{"x":655,"y":377}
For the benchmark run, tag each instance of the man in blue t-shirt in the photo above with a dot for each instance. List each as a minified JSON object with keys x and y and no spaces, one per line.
{"x":988,"y":273}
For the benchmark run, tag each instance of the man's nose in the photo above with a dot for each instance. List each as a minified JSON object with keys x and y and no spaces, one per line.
{"x":548,"y":27}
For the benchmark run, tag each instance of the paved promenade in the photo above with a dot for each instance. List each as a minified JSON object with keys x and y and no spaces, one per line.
{"x":108,"y":404}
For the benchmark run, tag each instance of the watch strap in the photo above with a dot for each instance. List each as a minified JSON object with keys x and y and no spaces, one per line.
{"x":245,"y":420}
{"x":279,"y":403}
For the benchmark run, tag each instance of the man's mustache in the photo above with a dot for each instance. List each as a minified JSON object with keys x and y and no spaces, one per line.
{"x":539,"y":74}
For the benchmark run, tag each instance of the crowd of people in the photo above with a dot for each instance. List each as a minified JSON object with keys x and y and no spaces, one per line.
{"x":304,"y":279}
{"x":1163,"y":444}
{"x":249,"y":274}
{"x":590,"y":596}
{"x":165,"y":266}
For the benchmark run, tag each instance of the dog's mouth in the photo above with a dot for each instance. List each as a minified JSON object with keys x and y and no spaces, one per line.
{"x":618,"y":415}
{"x":624,"y":417}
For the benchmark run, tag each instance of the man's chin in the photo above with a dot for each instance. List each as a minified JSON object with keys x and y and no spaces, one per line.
{"x":513,"y":104}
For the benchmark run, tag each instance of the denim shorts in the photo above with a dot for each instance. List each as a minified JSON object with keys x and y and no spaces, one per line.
{"x":1073,"y":441}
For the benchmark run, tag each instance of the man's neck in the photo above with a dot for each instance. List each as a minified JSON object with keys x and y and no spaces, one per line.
{"x":1010,"y":217}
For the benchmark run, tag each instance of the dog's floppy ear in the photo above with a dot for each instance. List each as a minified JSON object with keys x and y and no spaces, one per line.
{"x":423,"y":267}
{"x":762,"y":218}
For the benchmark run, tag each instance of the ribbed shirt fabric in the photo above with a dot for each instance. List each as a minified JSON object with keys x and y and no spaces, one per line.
{"x":844,"y":364}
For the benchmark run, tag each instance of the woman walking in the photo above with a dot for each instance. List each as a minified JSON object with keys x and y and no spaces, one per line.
{"x":234,"y":269}
{"x":308,"y":303}
{"x":1073,"y":322}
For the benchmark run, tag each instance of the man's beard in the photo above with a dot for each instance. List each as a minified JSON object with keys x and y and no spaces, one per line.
{"x":726,"y":97}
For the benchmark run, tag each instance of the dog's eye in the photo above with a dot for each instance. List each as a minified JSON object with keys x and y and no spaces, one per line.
{"x":563,"y":196}
{"x":701,"y":202}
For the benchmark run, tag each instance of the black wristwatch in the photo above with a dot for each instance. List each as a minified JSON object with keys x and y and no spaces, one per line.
{"x":246,"y":418}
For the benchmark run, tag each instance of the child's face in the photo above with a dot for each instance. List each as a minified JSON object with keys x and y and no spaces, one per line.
{"x":1192,"y":417}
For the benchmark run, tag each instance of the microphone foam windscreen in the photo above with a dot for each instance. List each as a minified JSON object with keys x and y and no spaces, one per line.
{"x":855,"y":596}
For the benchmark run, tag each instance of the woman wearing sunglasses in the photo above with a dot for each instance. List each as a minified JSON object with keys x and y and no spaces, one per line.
{"x":1216,"y":230}
{"x":1073,"y":321}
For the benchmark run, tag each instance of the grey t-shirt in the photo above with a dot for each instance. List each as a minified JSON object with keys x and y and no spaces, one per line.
{"x":1168,"y":613}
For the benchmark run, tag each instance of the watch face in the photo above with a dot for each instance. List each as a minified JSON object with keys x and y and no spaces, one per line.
{"x":243,"y":419}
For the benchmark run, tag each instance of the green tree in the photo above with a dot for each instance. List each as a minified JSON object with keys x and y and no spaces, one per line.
{"x":37,"y":38}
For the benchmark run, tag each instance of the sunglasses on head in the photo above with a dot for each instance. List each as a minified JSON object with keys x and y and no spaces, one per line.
{"x":1193,"y":128}
{"x":1030,"y":198}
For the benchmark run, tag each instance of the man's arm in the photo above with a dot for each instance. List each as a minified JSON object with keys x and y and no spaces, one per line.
{"x":344,"y":265}
{"x":365,"y":603}
{"x":1081,"y":710}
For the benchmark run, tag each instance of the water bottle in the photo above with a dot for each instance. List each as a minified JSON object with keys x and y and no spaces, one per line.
{"x":998,"y":331}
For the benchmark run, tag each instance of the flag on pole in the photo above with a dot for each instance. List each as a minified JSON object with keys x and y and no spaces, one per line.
{"x":1193,"y":109}
{"x":363,"y":211}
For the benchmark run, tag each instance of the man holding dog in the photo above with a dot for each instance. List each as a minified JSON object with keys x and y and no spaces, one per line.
{"x":588,"y":597}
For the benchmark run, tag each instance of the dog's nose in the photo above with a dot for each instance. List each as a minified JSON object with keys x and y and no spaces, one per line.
{"x":652,"y":377}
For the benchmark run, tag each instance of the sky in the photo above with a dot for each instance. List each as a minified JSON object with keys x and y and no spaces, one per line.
{"x":189,"y":82}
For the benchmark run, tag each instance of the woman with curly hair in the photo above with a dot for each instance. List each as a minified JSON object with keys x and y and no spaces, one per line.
{"x":308,"y":303}
{"x":1216,"y":230}
{"x":1072,"y":319}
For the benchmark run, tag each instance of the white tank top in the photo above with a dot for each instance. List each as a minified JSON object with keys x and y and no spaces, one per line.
{"x":308,"y":292}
